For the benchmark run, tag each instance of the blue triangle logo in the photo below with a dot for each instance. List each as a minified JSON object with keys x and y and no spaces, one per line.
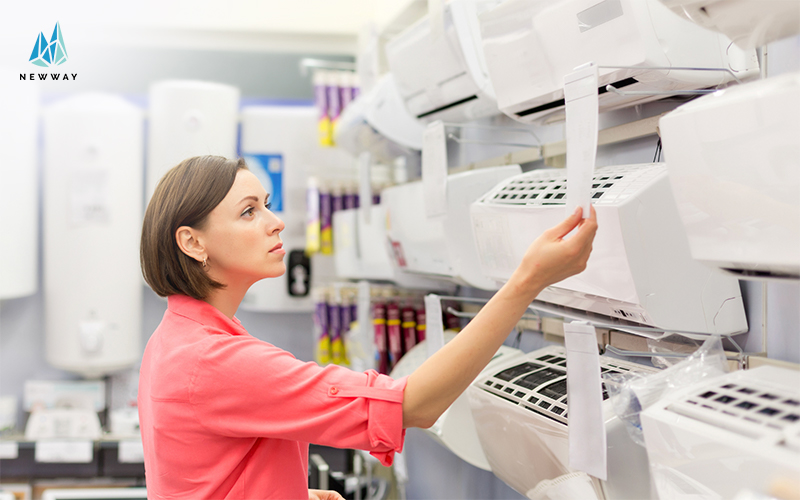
{"x":49,"y":54}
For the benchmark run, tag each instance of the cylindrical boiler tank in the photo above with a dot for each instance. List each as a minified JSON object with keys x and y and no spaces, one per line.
{"x":189,"y":118}
{"x":19,"y":196}
{"x":93,"y":166}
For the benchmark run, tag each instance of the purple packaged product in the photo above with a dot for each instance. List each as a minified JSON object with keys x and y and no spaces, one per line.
{"x":376,"y":199}
{"x":325,"y":228}
{"x":346,"y":317}
{"x":334,"y":102}
{"x":321,"y":99}
{"x":409,"y":324}
{"x":337,"y":203}
{"x":345,"y":96}
{"x":323,"y":352}
{"x":350,"y":200}
{"x":335,"y":329}
{"x":354,"y":91}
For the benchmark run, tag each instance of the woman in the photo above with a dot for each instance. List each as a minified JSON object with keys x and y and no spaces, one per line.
{"x":225,"y":415}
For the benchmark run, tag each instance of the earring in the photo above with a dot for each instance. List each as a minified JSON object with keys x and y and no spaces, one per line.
{"x":205,"y":264}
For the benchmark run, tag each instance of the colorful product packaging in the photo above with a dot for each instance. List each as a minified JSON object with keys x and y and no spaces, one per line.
{"x":394,"y":332}
{"x":381,"y":347}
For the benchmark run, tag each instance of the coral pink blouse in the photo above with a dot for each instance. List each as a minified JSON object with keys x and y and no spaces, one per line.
{"x":225,"y":415}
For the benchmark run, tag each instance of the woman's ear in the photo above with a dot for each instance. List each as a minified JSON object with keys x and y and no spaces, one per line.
{"x":188,"y":242}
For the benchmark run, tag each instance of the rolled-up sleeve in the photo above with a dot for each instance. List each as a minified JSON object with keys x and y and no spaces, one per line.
{"x":244,"y":387}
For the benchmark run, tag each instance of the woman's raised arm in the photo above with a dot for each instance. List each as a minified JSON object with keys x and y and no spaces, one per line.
{"x":433,"y":387}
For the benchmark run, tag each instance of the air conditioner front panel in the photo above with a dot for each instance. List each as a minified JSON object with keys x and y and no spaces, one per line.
{"x":734,"y":432}
{"x":640,"y":268}
{"x":531,"y":45}
{"x":439,"y":68}
{"x":521,"y":413}
{"x":734,"y":166}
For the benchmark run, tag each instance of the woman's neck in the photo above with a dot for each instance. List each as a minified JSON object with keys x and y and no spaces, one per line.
{"x":227,"y":299}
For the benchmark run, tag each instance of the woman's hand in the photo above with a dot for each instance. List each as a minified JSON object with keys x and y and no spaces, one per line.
{"x":324,"y":495}
{"x":551,"y":258}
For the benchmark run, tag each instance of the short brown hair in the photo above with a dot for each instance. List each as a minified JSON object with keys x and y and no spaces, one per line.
{"x":185,"y":196}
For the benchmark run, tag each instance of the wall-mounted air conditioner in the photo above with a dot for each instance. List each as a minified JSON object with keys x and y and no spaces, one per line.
{"x":361,"y":250}
{"x":378,"y":122}
{"x":749,"y":24}
{"x":734,"y":166}
{"x":439,"y":66}
{"x":455,"y":428}
{"x":738,"y":432}
{"x":521,"y":415}
{"x":530,"y":45}
{"x":640,"y":269}
{"x":443,"y":245}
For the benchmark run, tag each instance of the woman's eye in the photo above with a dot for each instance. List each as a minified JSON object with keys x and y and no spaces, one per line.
{"x":268,"y":205}
{"x":248,"y":211}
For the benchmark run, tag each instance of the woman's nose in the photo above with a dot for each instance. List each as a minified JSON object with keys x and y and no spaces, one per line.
{"x":274,"y":223}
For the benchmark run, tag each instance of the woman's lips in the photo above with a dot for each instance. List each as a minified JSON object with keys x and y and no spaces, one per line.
{"x":278,"y":249}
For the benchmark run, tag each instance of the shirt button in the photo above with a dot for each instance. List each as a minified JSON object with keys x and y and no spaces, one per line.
{"x":334,"y":390}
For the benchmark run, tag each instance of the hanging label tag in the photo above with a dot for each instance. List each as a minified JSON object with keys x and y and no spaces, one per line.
{"x":434,"y":169}
{"x":72,"y":451}
{"x":436,"y":18}
{"x":434,"y":328}
{"x":9,"y":450}
{"x":364,"y":186}
{"x":582,"y":114}
{"x":587,"y":434}
{"x":130,"y":451}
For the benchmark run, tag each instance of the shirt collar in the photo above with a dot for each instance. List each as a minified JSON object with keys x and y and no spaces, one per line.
{"x":204,"y":313}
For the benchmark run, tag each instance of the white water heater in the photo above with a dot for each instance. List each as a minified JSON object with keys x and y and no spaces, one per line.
{"x":279,"y":144}
{"x":189,"y":118}
{"x":19,"y":211}
{"x":93,"y":164}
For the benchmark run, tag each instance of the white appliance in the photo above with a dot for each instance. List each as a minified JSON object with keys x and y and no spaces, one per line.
{"x":280,"y":147}
{"x":739,"y":431}
{"x":441,"y":245}
{"x":521,"y":414}
{"x":748,"y":23}
{"x":93,"y":161}
{"x":378,"y":122}
{"x":19,"y":197}
{"x":439,"y":66}
{"x":640,"y":269}
{"x":734,"y":166}
{"x":362,"y":250}
{"x":530,"y":45}
{"x":455,"y":428}
{"x":189,"y":118}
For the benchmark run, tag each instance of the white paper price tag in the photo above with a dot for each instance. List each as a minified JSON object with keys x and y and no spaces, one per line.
{"x":365,"y":185}
{"x":130,"y":451}
{"x":434,"y":328}
{"x":434,"y":169}
{"x":582,"y":114}
{"x":72,"y":451}
{"x":587,"y":435}
{"x":9,"y":450}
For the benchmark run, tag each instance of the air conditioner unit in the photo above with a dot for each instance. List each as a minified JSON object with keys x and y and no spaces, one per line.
{"x":455,"y":428}
{"x":439,"y":66}
{"x":734,"y":166}
{"x":521,"y":415}
{"x":640,"y":269}
{"x":749,"y":24}
{"x":530,"y":45}
{"x":361,"y":250}
{"x":378,"y":122}
{"x":441,"y":246}
{"x":740,"y":431}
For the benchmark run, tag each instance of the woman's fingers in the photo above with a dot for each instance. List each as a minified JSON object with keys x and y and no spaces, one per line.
{"x":564,"y":227}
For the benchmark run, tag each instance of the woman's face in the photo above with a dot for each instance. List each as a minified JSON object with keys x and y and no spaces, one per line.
{"x":242,"y":237}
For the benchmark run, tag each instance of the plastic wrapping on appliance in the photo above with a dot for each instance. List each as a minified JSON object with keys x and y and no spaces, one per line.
{"x":631,"y":393}
{"x":566,"y":487}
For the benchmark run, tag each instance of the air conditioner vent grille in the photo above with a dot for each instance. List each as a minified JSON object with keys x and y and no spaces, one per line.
{"x":610,"y":185}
